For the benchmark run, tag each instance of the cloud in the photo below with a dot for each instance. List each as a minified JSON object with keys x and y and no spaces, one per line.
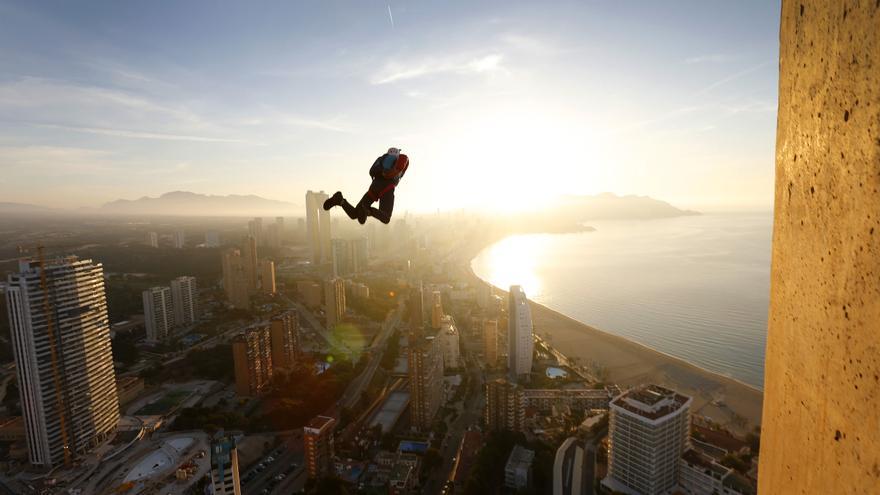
{"x":42,"y":159}
{"x":141,"y":134}
{"x":730,"y":78}
{"x":395,"y":72}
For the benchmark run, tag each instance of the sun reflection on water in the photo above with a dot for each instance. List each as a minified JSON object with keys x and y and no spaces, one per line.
{"x":513,"y":261}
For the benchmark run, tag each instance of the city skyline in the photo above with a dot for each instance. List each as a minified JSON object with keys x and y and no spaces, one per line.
{"x":683,"y":109}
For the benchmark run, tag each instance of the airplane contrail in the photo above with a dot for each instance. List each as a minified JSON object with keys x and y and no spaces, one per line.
{"x":390,"y":17}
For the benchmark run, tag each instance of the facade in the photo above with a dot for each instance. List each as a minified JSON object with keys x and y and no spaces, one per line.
{"x":158,"y":313}
{"x":152,"y":239}
{"x":436,"y":309}
{"x":311,"y":292}
{"x":505,"y":408}
{"x":224,"y":466}
{"x":518,"y":470}
{"x":341,"y":257}
{"x":64,"y":364}
{"x":255,"y":230}
{"x":185,"y":299}
{"x":267,"y":276}
{"x":129,"y":388}
{"x":415,"y":305}
{"x":318,"y":440}
{"x":425,"y":380}
{"x":178,"y":239}
{"x":334,"y":301}
{"x":250,"y":264}
{"x":212,"y":239}
{"x":360,"y":255}
{"x":318,"y":227}
{"x":570,"y":470}
{"x":284,"y":328}
{"x":520,"y":341}
{"x":235,"y":282}
{"x":449,"y":342}
{"x":252,"y":356}
{"x":648,"y":432}
{"x":490,"y":343}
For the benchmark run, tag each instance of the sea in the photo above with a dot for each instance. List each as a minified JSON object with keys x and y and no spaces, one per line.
{"x":694,"y":287}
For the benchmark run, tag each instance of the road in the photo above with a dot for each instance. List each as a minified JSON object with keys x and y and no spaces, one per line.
{"x":313,"y":322}
{"x":283,"y":463}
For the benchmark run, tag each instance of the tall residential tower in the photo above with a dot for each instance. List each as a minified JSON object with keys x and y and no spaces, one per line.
{"x":520,"y":342}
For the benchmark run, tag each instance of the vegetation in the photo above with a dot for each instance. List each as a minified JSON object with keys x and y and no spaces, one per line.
{"x":487,"y":475}
{"x":206,"y":364}
{"x":212,"y":419}
{"x":124,"y":349}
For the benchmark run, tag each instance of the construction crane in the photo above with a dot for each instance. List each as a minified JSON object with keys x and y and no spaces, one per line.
{"x":49,"y":311}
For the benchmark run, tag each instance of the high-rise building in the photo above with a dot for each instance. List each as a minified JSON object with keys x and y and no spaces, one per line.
{"x":449,"y":342}
{"x":64,"y":364}
{"x":490,"y":342}
{"x":425,"y":380}
{"x":360,"y":255}
{"x":648,"y":431}
{"x":334,"y":301}
{"x":158,"y":313}
{"x":518,"y":470}
{"x":252,"y":356}
{"x":341,"y":257}
{"x":520,"y":342}
{"x":416,"y":309}
{"x":318,"y":224}
{"x":436,"y":309}
{"x":224,"y":465}
{"x":267,"y":276}
{"x":312,"y":293}
{"x":178,"y":239}
{"x":255,"y":230}
{"x":505,"y":408}
{"x":153,"y":239}
{"x":285,"y":339}
{"x":250,"y":263}
{"x":185,"y":298}
{"x":318,"y":440}
{"x":212,"y":239}
{"x":235,"y":281}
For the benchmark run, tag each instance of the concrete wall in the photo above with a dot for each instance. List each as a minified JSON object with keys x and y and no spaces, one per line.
{"x":821,"y":431}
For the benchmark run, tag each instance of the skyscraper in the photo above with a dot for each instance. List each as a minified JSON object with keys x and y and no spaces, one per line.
{"x":520,"y":341}
{"x":212,"y":239}
{"x":415,"y":306}
{"x":185,"y":298}
{"x":250,"y":263}
{"x":449,"y":342}
{"x":318,"y":440}
{"x":490,"y":342}
{"x":360,"y":255}
{"x":178,"y":239}
{"x":285,"y":339}
{"x":255,"y":230}
{"x":235,"y":281}
{"x":505,"y":406}
{"x":252,"y":357}
{"x":318,"y":225}
{"x":267,"y":276}
{"x":648,"y":429}
{"x":425,"y":380}
{"x":158,"y":313}
{"x":64,"y":364}
{"x":341,"y":257}
{"x":152,"y":239}
{"x":334,"y":301}
{"x":436,"y":309}
{"x":224,"y":465}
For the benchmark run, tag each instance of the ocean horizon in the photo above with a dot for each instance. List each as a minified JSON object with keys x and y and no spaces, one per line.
{"x":694,"y":287}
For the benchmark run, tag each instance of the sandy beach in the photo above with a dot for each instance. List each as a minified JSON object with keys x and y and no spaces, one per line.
{"x":627,"y":363}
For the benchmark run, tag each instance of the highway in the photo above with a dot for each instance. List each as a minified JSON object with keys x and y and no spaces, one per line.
{"x":288,"y":461}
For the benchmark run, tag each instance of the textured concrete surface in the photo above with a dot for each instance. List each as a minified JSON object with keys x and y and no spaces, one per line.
{"x":821,"y":431}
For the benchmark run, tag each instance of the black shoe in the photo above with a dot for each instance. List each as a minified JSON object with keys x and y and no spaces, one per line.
{"x":334,"y":200}
{"x":363,"y":212}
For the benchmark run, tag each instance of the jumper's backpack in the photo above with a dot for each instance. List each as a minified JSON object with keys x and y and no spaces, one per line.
{"x":394,"y":166}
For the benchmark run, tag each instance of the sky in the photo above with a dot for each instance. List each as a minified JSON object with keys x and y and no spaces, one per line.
{"x":501,"y":105}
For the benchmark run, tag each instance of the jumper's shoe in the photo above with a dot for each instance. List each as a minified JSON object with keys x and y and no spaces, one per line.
{"x":334,"y":200}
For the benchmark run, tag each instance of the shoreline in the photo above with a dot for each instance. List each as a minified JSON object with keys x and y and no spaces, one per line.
{"x":726,"y":400}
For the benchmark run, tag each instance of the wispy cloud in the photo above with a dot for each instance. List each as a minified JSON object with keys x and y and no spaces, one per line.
{"x":730,"y":78}
{"x":39,"y":159}
{"x":395,"y":72}
{"x":142,"y":134}
{"x":390,"y":16}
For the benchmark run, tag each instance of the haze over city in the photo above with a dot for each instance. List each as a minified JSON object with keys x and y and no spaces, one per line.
{"x":120,"y":100}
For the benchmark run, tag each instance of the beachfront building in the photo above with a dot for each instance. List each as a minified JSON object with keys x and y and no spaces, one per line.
{"x":224,"y":465}
{"x":520,"y":341}
{"x":701,"y":475}
{"x":318,"y":440}
{"x":570,"y":468}
{"x":505,"y":408}
{"x":583,"y":399}
{"x":60,"y":335}
{"x":648,"y":432}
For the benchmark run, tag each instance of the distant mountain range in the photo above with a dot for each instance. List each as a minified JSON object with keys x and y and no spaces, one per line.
{"x":609,"y":206}
{"x":191,"y":204}
{"x":23,"y":209}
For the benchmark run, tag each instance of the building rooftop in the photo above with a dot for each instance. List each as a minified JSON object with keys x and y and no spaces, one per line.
{"x":319,"y":423}
{"x":651,"y":401}
{"x":520,"y":457}
{"x":695,"y":458}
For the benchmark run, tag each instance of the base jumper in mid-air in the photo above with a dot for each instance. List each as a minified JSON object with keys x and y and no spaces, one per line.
{"x":386,"y":172}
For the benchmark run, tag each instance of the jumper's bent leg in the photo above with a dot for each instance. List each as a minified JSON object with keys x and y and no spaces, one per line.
{"x":386,"y":207}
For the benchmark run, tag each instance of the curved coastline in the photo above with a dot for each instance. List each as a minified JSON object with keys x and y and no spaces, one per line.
{"x":625,"y":362}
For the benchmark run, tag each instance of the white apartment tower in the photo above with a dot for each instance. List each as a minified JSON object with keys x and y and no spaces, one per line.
{"x":158,"y":313}
{"x":224,"y":465}
{"x":520,"y":341}
{"x":648,"y":431}
{"x":185,"y":299}
{"x":318,"y":226}
{"x":64,"y":364}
